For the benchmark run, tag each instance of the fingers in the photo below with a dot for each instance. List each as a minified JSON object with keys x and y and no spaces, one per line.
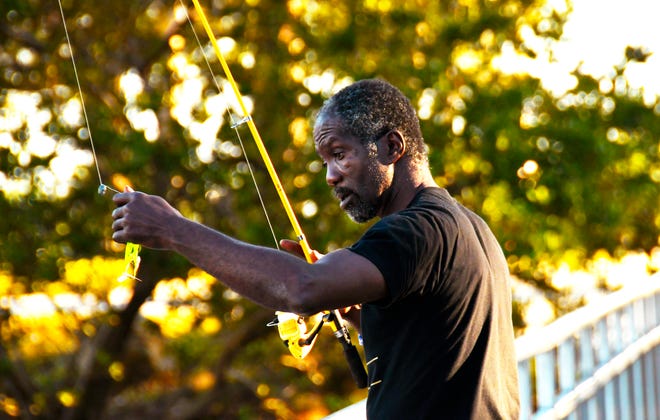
{"x":349,"y":309}
{"x":118,"y":215}
{"x":295,"y":248}
{"x":292,"y":247}
{"x":118,"y":223}
{"x":121,"y":200}
{"x":118,"y":232}
{"x":123,"y":197}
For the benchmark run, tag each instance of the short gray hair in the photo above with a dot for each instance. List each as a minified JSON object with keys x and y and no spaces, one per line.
{"x":369,"y":109}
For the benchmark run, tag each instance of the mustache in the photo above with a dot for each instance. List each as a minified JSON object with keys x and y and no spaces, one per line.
{"x":341,"y":192}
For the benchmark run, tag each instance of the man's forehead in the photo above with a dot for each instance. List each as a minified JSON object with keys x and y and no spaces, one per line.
{"x":326,"y":129}
{"x":326,"y":120}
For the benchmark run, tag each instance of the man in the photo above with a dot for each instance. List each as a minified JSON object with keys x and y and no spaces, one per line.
{"x":430,"y":276}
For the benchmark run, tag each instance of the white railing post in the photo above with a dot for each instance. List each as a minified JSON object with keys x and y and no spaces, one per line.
{"x":609,"y":405}
{"x":638,"y":393}
{"x":590,"y":409}
{"x":648,"y":367}
{"x":624,"y":340}
{"x":567,"y":367}
{"x":545,"y":380}
{"x":650,"y":386}
{"x":656,"y":377}
{"x":525,"y":381}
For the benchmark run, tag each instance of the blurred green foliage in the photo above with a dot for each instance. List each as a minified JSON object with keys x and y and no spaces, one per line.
{"x":558,"y":178}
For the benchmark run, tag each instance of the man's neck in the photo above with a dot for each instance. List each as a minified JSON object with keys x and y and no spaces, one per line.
{"x":405,"y":187}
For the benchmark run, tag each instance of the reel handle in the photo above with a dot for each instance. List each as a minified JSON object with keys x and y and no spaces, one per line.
{"x":350,"y":351}
{"x":355,"y":364}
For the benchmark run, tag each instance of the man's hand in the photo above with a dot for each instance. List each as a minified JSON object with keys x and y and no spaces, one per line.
{"x":143,"y":219}
{"x":295,"y":248}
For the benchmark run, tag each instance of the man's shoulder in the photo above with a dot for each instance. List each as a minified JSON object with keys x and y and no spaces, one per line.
{"x":432,"y":204}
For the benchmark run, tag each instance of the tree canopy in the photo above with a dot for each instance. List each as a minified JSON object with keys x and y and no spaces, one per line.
{"x":561,"y":177}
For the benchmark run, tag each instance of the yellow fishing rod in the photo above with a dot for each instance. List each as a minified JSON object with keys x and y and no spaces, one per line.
{"x":291,"y":327}
{"x":247,"y":119}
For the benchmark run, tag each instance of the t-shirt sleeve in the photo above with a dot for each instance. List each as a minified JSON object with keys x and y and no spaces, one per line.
{"x":404,"y":248}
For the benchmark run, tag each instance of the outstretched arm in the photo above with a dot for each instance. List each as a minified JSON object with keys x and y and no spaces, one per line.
{"x":272,"y":278}
{"x":350,"y":313}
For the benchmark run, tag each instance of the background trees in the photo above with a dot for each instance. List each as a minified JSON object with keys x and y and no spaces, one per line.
{"x":564,"y":178}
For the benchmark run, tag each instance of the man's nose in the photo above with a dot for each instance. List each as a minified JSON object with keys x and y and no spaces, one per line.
{"x":332,"y":175}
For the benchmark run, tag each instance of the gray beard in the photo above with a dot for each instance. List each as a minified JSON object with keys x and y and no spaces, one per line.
{"x":361,"y":211}
{"x":358,"y":210}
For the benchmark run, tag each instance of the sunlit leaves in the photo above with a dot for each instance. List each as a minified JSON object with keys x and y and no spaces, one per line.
{"x":95,"y":276}
{"x":203,"y":380}
{"x":47,"y":322}
{"x":44,"y":164}
{"x":559,"y":164}
{"x":178,"y":305}
{"x":67,"y":398}
{"x":322,"y":18}
{"x":467,"y":59}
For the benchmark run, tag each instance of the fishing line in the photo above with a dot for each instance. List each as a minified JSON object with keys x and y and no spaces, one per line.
{"x":102,"y":187}
{"x":132,"y":251}
{"x":234,"y":124}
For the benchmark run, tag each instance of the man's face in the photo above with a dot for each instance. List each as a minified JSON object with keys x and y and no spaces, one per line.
{"x":352,"y":170}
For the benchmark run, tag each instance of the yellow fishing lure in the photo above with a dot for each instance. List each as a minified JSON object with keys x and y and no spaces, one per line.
{"x":132,"y":261}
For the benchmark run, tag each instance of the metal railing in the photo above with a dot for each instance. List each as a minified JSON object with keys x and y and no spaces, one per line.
{"x":601,"y":361}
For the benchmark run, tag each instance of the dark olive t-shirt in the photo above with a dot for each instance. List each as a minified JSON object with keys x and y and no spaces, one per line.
{"x":440,"y":346}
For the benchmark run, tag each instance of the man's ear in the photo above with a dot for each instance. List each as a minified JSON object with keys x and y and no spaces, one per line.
{"x":395,"y":146}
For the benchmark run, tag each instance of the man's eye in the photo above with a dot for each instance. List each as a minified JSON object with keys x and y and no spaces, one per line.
{"x":338,"y":155}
